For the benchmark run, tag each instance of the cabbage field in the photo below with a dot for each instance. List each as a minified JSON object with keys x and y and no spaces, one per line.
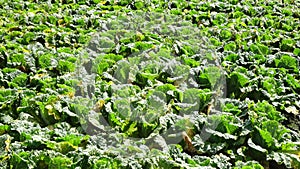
{"x":149,"y":84}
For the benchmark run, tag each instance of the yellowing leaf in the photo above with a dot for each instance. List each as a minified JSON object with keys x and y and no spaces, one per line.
{"x":49,"y":108}
{"x":99,"y":105}
{"x":25,"y":50}
{"x":243,"y":24}
{"x":292,"y":109}
{"x":7,"y":143}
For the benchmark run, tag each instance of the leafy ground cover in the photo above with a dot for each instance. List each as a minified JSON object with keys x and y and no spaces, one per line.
{"x":41,"y":42}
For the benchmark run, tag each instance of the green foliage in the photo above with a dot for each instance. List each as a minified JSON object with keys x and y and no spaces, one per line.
{"x":287,"y":62}
{"x":41,"y":126}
